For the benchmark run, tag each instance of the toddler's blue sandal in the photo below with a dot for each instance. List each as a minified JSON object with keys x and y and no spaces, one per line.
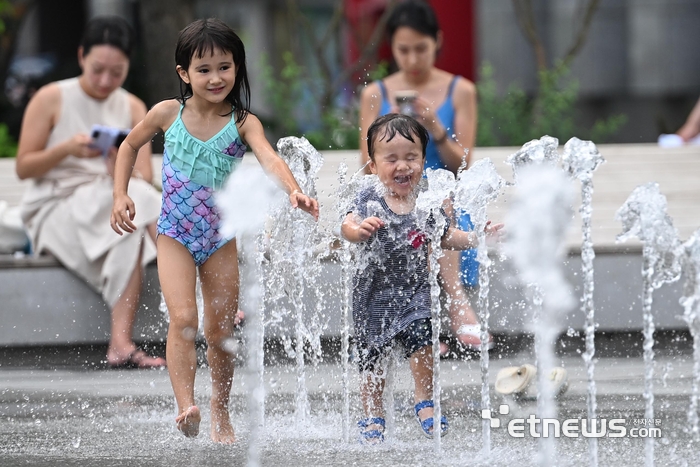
{"x":371,"y":436}
{"x":427,"y":424}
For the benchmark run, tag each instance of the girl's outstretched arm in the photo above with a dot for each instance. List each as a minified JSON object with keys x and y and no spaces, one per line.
{"x":252,"y":132}
{"x":456,"y":239}
{"x":157,"y":119}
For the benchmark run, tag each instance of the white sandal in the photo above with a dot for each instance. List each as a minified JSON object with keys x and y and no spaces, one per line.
{"x":521,"y":381}
{"x":515,"y":379}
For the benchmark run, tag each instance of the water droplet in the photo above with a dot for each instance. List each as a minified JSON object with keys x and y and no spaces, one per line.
{"x":230,"y":345}
{"x":189,"y":333}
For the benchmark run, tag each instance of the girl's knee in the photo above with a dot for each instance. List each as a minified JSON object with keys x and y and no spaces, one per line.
{"x":184,"y":325}
{"x":217,"y":336}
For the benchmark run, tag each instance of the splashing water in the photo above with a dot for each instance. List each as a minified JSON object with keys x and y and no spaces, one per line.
{"x":345,"y":258}
{"x":476,"y":188}
{"x":440,"y":187}
{"x":539,"y":217}
{"x":537,"y":151}
{"x":644,"y":215}
{"x":245,"y":201}
{"x":293,"y":235}
{"x":580,"y":159}
{"x":691,"y":304}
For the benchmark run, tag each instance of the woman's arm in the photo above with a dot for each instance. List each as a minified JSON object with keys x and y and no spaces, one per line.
{"x":143,"y":167}
{"x":452,"y":151}
{"x":370,"y":103}
{"x":691,"y":127}
{"x":253,"y":134}
{"x":34,"y":160}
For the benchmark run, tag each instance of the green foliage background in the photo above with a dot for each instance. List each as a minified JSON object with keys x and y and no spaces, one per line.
{"x":510,"y":119}
{"x":8,"y":146}
{"x":515,"y":118}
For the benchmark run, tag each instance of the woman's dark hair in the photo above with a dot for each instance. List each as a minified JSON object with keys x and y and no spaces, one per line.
{"x":415,"y":14}
{"x":108,"y":30}
{"x":202,"y":37}
{"x":386,"y":127}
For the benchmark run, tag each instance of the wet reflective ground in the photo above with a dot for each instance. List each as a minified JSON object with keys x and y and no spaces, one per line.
{"x":72,"y":416}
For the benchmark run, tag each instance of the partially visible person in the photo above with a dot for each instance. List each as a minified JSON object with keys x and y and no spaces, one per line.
{"x":446,"y":105}
{"x":691,"y":127}
{"x":391,"y":291}
{"x":206,"y":130}
{"x":67,"y":206}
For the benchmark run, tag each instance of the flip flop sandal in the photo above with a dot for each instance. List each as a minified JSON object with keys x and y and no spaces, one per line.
{"x":371,"y":436}
{"x":558,"y":380}
{"x":427,"y":424}
{"x":135,"y":360}
{"x":515,"y":379}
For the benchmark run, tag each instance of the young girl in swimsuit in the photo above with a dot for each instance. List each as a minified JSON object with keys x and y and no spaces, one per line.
{"x":205,"y":130}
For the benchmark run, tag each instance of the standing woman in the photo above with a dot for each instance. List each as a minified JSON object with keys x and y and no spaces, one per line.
{"x":67,"y":206}
{"x":446,"y":106}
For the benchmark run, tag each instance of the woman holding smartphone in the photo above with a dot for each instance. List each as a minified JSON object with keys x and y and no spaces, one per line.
{"x":66,"y":208}
{"x":446,"y":106}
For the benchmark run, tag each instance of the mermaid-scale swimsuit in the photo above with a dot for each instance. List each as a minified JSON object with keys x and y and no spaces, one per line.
{"x":192,"y":170}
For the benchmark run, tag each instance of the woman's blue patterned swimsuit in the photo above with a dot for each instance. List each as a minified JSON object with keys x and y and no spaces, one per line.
{"x":192,"y":171}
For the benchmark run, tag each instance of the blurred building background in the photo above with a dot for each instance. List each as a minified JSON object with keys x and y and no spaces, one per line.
{"x":640,"y":58}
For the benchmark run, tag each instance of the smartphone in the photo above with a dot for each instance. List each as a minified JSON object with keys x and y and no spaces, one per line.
{"x":404,"y":100}
{"x":106,"y":137}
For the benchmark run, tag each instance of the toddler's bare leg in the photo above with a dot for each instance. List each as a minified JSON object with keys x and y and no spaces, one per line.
{"x":177,"y":274}
{"x":219,"y":276}
{"x":422,"y":369}
{"x":372,"y":385}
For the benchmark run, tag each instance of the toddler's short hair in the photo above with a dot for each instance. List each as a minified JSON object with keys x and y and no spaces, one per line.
{"x":388,"y":125}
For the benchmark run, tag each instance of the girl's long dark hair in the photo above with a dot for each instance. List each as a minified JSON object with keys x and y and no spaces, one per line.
{"x":202,"y":37}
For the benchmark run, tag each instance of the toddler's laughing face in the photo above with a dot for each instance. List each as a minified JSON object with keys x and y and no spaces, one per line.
{"x":399,"y":164}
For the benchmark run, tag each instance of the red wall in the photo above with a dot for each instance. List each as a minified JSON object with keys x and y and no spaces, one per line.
{"x":458,"y":54}
{"x":457,"y":21}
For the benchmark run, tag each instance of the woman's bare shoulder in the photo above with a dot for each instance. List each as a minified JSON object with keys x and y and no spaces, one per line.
{"x":371,"y":91}
{"x":135,"y":102}
{"x":464,"y":89}
{"x":47,"y":97}
{"x":465,"y":85}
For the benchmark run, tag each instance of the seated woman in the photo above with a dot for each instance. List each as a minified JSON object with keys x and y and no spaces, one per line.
{"x":67,"y":206}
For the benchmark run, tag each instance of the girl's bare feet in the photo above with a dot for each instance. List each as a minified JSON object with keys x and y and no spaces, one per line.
{"x":188,"y":421}
{"x":221,"y":428}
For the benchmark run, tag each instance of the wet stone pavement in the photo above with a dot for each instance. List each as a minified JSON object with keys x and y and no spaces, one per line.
{"x":70,"y":415}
